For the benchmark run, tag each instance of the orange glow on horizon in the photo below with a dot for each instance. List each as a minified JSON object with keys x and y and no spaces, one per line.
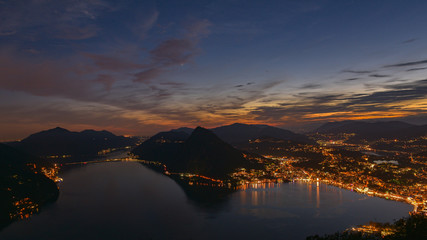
{"x":355,"y":116}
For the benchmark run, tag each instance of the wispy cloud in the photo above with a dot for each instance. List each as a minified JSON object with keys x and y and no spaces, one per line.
{"x":406,"y":64}
{"x":144,"y":23}
{"x":378,"y":104}
{"x":71,"y":32}
{"x":379,"y":75}
{"x":113,"y":63}
{"x":357,"y":71}
{"x":350,"y":79}
{"x":416,"y":69}
{"x":69,"y":19}
{"x":148,"y":74}
{"x":43,"y":78}
{"x":409,"y":40}
{"x":106,"y":80}
{"x":174,"y":52}
{"x":311,"y":86}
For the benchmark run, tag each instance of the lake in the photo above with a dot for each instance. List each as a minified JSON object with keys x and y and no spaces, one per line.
{"x":126,"y":200}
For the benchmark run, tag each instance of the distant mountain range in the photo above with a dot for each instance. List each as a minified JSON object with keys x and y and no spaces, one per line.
{"x":239,"y":133}
{"x":375,"y":130}
{"x":202,"y":152}
{"x":60,"y":141}
{"x":18,"y":182}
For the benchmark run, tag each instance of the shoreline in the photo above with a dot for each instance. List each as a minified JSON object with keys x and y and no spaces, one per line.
{"x":391,"y":197}
{"x":158,"y":167}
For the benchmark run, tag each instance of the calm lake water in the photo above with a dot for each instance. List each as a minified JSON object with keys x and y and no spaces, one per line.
{"x":126,"y":200}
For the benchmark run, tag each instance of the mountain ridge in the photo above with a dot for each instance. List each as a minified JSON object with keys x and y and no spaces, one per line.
{"x":60,"y":141}
{"x":374,"y":130}
{"x":201,"y":153}
{"x":238,"y":133}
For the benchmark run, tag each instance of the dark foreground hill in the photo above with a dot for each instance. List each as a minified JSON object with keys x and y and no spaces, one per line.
{"x":202,"y":153}
{"x":60,"y":141}
{"x":413,"y":227}
{"x":21,"y":190}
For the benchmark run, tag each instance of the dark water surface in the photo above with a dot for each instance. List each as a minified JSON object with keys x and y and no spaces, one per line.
{"x":126,"y":200}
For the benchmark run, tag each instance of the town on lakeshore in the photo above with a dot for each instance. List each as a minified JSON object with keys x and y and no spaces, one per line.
{"x":397,"y":173}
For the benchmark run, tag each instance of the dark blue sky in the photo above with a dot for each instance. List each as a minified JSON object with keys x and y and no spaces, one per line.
{"x":137,"y":67}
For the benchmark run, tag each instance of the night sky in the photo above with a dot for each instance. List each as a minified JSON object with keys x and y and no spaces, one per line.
{"x":138,"y":67}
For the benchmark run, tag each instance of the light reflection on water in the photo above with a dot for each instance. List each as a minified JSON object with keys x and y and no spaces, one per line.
{"x":125,"y":200}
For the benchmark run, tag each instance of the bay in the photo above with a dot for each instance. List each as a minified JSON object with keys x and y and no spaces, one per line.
{"x":126,"y":200}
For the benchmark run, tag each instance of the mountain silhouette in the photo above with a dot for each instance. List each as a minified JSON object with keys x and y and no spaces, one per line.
{"x":201,"y":153}
{"x":374,"y":130}
{"x":240,"y":133}
{"x":60,"y":141}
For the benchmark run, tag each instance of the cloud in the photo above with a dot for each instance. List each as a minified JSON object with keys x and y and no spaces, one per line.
{"x":379,"y":75}
{"x":174,"y":52}
{"x":310,"y":86}
{"x":409,"y":40}
{"x":357,"y":71}
{"x":113,"y":63}
{"x":81,"y":70}
{"x":351,"y":79}
{"x":7,"y":32}
{"x":106,"y":80}
{"x":395,"y":93}
{"x":198,"y":29}
{"x":405,"y":64}
{"x":169,"y":53}
{"x":398,"y":100}
{"x":414,"y":85}
{"x":416,"y":69}
{"x":218,"y":100}
{"x":325,"y":98}
{"x":68,"y":19}
{"x":394,"y":96}
{"x":148,"y":75}
{"x":243,"y":85}
{"x":46,"y":77}
{"x":180,"y":50}
{"x":77,"y":32}
{"x":144,"y":23}
{"x":32,"y":51}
